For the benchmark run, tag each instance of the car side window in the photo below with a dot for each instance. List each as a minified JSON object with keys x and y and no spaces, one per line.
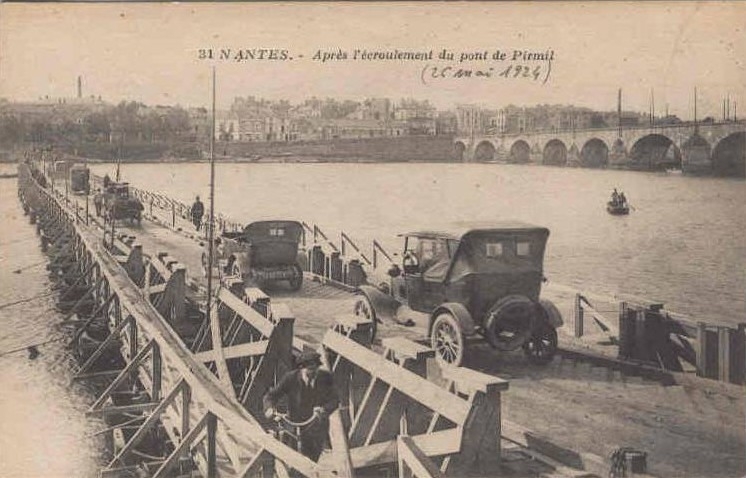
{"x":427,"y":250}
{"x":494,"y":249}
{"x":523,"y":249}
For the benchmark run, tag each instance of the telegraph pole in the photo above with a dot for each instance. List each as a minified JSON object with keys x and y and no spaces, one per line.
{"x":619,"y":112}
{"x":211,"y":223}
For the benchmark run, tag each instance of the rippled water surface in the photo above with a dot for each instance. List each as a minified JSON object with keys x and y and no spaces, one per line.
{"x":683,"y":244}
{"x":43,"y":428}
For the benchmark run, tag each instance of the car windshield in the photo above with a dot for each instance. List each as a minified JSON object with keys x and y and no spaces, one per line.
{"x":433,"y":255}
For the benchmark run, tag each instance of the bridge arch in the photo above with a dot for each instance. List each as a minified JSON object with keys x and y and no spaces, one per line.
{"x":520,"y":152}
{"x":655,"y":152}
{"x":485,"y":151}
{"x":729,"y":156}
{"x":555,"y":153}
{"x":594,"y":154}
{"x":459,"y":148}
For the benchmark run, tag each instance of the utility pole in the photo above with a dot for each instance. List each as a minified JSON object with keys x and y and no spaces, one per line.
{"x":696,"y":126}
{"x":211,"y":223}
{"x":619,"y":112}
{"x":723,"y":109}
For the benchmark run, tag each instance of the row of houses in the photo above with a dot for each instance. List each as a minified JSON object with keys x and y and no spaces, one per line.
{"x":472,"y":119}
{"x":250,"y":119}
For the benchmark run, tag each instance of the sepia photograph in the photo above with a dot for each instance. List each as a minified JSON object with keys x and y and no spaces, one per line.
{"x":372,"y":239}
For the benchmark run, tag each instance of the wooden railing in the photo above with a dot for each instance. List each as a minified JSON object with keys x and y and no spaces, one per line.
{"x":646,"y":333}
{"x":208,"y":426}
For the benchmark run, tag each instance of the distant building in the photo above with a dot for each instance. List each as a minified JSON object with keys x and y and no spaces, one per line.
{"x":418,"y":115}
{"x":227,"y":126}
{"x":354,"y":129}
{"x":471,"y":119}
{"x":446,"y":123}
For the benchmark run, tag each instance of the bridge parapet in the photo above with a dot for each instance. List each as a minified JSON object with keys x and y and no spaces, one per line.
{"x":457,"y":427}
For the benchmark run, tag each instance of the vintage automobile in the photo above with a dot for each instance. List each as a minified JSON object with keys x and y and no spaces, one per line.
{"x":469,"y":282}
{"x":118,"y":204}
{"x":59,"y":169}
{"x":80,"y":179}
{"x":264,"y":252}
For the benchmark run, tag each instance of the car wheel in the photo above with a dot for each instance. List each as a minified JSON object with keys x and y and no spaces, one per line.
{"x":510,"y":322}
{"x":363,"y":308}
{"x":235,"y":269}
{"x":447,"y":340}
{"x":541,"y":347}
{"x":297,"y":281}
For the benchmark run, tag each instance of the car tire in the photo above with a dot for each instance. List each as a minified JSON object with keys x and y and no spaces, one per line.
{"x":447,"y":339}
{"x":510,"y":322}
{"x":541,"y":347}
{"x":297,"y":281}
{"x":364,"y":308}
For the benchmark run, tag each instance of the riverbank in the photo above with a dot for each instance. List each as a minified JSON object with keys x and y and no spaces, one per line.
{"x":388,"y":149}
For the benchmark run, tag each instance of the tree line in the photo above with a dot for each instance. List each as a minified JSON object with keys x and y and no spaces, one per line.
{"x":130,"y":122}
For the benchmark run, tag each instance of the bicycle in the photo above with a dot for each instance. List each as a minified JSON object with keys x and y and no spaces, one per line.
{"x":287,"y":430}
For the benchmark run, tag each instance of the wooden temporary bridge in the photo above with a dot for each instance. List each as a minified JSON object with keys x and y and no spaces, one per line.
{"x":182,"y":387}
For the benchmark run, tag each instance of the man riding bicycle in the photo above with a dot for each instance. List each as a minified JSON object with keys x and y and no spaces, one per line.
{"x":310,"y":393}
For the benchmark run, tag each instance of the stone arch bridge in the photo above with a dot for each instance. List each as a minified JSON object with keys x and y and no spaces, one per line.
{"x":706,"y":148}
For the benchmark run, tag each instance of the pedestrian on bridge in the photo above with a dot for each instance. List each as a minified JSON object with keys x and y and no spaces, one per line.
{"x":198,"y":210}
{"x":310,"y":393}
{"x":98,"y":201}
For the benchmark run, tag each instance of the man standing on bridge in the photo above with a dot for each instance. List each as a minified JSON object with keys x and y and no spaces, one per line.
{"x":198,"y":210}
{"x":310,"y":393}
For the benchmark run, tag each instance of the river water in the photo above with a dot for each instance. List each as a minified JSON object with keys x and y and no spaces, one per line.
{"x":43,"y":429}
{"x":682,"y":244}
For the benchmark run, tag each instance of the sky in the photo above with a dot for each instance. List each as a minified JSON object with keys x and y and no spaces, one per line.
{"x":149,"y":52}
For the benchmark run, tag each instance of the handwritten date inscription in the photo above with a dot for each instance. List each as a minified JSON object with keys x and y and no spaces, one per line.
{"x":508,"y":71}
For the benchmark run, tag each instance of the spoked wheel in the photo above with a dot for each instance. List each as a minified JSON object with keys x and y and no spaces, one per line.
{"x":447,"y":340}
{"x":363,"y":308}
{"x":235,"y":269}
{"x":297,"y":281}
{"x":542,"y":346}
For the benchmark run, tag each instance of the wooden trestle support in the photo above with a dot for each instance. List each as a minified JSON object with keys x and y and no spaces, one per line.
{"x":186,"y":395}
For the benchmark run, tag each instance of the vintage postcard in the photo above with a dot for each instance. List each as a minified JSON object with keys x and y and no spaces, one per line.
{"x":373,"y":239}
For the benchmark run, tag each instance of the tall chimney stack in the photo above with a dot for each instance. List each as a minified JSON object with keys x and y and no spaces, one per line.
{"x":80,"y":87}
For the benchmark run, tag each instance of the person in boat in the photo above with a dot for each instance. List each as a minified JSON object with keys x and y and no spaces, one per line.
{"x":615,"y":198}
{"x":622,"y":199}
{"x":198,"y":210}
{"x":310,"y":393}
